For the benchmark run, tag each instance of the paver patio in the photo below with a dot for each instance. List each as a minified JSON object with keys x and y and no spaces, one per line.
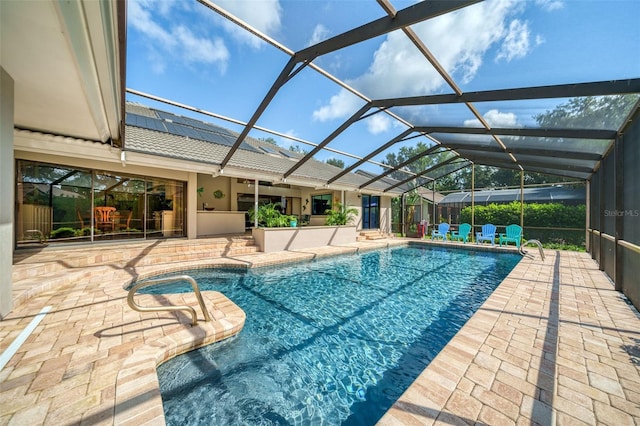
{"x":554,"y":344}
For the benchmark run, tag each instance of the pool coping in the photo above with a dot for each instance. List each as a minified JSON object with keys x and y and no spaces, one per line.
{"x":138,"y":397}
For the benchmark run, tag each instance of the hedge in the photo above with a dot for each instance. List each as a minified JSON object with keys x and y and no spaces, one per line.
{"x":554,"y":215}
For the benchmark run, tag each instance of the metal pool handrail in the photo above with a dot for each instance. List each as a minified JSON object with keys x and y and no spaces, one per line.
{"x":194,"y":317}
{"x":536,"y":242}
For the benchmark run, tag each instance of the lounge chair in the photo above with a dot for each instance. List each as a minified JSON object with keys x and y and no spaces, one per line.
{"x":462,"y":234}
{"x":513,"y":235}
{"x":443,"y":230}
{"x":488,"y":233}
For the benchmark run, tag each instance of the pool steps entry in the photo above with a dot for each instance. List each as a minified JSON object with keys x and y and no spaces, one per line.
{"x":536,"y":242}
{"x":194,"y":317}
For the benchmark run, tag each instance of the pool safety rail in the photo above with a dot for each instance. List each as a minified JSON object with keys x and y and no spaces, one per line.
{"x":196,"y":290}
{"x":536,"y":242}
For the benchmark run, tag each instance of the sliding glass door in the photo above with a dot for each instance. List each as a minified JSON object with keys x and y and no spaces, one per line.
{"x":370,"y":212}
{"x":56,"y":204}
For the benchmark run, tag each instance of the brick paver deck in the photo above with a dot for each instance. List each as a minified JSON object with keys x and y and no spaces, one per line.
{"x":553,"y":344}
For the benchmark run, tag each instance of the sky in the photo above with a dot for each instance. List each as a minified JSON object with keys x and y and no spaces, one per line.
{"x":185,"y":52}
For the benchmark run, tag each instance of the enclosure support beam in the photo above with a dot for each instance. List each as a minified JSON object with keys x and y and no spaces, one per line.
{"x":473,"y":200}
{"x":522,"y":199}
{"x":601,"y":214}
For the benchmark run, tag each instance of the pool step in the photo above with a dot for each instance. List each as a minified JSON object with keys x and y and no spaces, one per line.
{"x":371,"y":234}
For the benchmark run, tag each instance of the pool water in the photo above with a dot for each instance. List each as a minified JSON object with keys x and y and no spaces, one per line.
{"x":329,"y":342}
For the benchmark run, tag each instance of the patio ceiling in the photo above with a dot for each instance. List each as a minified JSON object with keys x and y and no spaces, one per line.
{"x":567,"y":152}
{"x":67,"y":63}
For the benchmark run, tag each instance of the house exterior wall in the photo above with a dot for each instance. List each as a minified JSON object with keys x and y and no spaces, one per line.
{"x":85,"y":154}
{"x":7,"y":191}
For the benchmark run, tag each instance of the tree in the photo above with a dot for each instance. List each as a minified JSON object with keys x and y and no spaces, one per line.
{"x":270,"y":140}
{"x":296,"y":148}
{"x":335,"y":162}
{"x":590,"y":112}
{"x":417,"y":166}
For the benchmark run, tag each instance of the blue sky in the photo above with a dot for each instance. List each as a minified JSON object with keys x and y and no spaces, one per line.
{"x":183,"y":51}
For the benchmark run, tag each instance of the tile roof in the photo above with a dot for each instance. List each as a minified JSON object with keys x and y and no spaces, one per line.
{"x":153,"y":132}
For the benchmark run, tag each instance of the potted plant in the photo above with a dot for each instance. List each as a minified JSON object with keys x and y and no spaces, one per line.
{"x":269,"y":216}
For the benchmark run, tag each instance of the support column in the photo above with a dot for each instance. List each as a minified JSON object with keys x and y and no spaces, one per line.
{"x":7,"y":189}
{"x":619,"y":220}
{"x":192,"y":206}
{"x":601,"y":214}
{"x":587,"y":236}
{"x":473,"y":200}
{"x":433,"y":199}
{"x":256,"y":184}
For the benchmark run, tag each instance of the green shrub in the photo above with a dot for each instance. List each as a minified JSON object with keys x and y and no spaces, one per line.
{"x":536,"y":215}
{"x":63,"y":233}
{"x":84,"y":232}
{"x":269,"y":216}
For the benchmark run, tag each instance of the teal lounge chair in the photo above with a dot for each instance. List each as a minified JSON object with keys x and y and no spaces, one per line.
{"x":443,"y":230}
{"x":462,"y":234}
{"x":513,"y":235}
{"x":488,"y":233}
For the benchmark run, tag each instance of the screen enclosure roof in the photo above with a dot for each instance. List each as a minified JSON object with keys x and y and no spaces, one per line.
{"x":496,"y":118}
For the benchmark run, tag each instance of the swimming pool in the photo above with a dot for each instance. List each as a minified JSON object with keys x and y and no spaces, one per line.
{"x":334,"y":341}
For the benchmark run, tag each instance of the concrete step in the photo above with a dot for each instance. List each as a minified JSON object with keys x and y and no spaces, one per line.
{"x":33,"y":263}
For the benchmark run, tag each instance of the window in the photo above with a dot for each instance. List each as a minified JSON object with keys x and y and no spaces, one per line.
{"x":320,"y":203}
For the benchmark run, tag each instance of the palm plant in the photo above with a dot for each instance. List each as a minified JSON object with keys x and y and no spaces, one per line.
{"x":341,"y":215}
{"x":269,"y":216}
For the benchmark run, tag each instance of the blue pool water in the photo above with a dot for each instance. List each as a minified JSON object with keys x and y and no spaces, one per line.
{"x":329,"y":342}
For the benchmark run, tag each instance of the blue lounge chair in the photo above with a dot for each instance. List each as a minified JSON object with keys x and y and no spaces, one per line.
{"x":443,"y":230}
{"x":513,"y":235}
{"x":462,"y":234}
{"x":488,"y":233}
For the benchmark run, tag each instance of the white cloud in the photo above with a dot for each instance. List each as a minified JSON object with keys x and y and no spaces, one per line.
{"x":378,"y":123}
{"x":320,"y":33}
{"x":516,"y":42}
{"x":550,"y":5}
{"x":200,"y":49}
{"x":140,"y":18}
{"x":459,"y":41}
{"x":177,"y":43}
{"x":496,"y":118}
{"x":263,"y":15}
{"x":341,"y":105}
